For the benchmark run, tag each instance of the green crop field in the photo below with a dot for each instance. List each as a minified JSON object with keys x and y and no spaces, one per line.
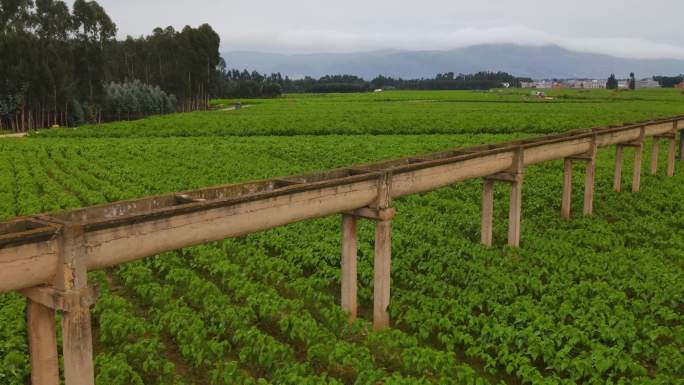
{"x":391,"y":113}
{"x":595,"y":300}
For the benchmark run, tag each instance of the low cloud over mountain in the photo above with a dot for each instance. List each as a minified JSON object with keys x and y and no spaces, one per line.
{"x":529,"y":61}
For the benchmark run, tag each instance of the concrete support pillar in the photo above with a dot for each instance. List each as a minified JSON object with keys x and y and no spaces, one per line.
{"x":382,"y":213}
{"x":672,"y":148}
{"x":654,"y":155}
{"x":383,"y":255}
{"x":487,"y":211}
{"x":515,"y":213}
{"x":349,"y":265}
{"x":42,"y":340}
{"x":671,"y":153}
{"x":71,"y":295}
{"x":515,"y":207}
{"x":381,"y":274}
{"x":636,"y":177}
{"x":589,"y":176}
{"x":617,"y":181}
{"x":74,"y":304}
{"x":514,"y":176}
{"x":77,"y":345}
{"x":590,"y":169}
{"x":681,"y":145}
{"x":77,"y":340}
{"x":638,"y":154}
{"x":566,"y":201}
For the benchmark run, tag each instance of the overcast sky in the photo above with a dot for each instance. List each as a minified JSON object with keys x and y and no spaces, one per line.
{"x":627,"y":28}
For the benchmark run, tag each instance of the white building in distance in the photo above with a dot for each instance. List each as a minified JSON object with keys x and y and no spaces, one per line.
{"x":647,"y":83}
{"x":568,"y":83}
{"x":537,"y":84}
{"x":588,"y":84}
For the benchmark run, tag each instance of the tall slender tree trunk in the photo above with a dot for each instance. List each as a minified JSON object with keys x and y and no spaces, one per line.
{"x":55,"y":103}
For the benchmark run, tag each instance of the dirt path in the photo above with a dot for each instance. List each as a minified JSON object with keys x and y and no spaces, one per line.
{"x":18,"y":135}
{"x":233,"y":108}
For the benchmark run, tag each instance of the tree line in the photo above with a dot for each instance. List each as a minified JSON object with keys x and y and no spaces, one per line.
{"x":245,"y":84}
{"x":669,"y":81}
{"x":59,"y":65}
{"x":483,"y":80}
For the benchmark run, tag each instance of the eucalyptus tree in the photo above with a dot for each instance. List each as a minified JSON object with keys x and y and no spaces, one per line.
{"x":56,"y":63}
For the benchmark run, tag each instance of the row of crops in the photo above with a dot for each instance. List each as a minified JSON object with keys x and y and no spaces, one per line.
{"x":591,"y":301}
{"x":404,"y":112}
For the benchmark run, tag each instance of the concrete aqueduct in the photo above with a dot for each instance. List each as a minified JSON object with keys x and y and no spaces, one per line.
{"x":47,"y":257}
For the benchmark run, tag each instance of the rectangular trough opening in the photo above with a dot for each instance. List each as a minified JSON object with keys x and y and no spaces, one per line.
{"x":446,"y":154}
{"x":390,"y":164}
{"x":432,"y":157}
{"x":327,"y":175}
{"x":283,"y":183}
{"x":225,"y":192}
{"x":24,"y":230}
{"x":118,"y":209}
{"x":182,"y":199}
{"x":234,"y":191}
{"x":139,"y":206}
{"x":20,"y":226}
{"x":416,"y":160}
{"x":461,"y":151}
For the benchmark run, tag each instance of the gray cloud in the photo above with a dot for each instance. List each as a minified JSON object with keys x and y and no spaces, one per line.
{"x":626,"y":28}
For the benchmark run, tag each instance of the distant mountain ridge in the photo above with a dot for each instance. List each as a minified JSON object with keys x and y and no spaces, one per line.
{"x":543,"y":62}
